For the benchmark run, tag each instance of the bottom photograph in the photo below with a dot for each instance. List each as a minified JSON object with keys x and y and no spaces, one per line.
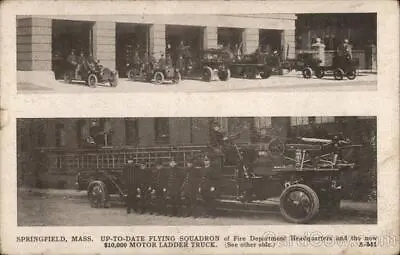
{"x":197,"y":171}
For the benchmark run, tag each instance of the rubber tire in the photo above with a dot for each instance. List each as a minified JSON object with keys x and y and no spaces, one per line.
{"x":266,"y":73}
{"x":338,"y":74}
{"x":351,"y":75}
{"x":224,"y":74}
{"x":207,"y":73}
{"x":177,"y":77}
{"x":310,"y":193}
{"x":160,"y":79}
{"x":319,"y":73}
{"x":307,"y":73}
{"x":114,"y":81}
{"x":98,"y":190}
{"x":92,"y":80}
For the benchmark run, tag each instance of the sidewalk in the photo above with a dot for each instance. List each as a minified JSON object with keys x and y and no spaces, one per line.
{"x":292,"y":81}
{"x":348,"y":205}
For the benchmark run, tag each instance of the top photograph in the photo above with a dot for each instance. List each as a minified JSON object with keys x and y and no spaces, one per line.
{"x":196,"y":53}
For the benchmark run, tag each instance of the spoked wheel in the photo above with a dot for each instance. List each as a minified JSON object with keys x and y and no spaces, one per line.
{"x":276,"y":147}
{"x":351,"y":75}
{"x":224,"y":74}
{"x":207,"y":73}
{"x":177,"y":77}
{"x":338,"y":74}
{"x":319,"y":73}
{"x":158,"y":77}
{"x":92,"y":80}
{"x":97,"y":196}
{"x":299,"y":204}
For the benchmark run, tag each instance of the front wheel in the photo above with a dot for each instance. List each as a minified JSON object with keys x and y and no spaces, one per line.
{"x":158,"y":77}
{"x":207,"y":73}
{"x":351,"y":75}
{"x":307,"y":73}
{"x":92,"y":80}
{"x":299,"y":204}
{"x":224,"y":74}
{"x":338,"y":74}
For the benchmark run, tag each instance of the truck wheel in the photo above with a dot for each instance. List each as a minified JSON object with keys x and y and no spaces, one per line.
{"x":224,"y":74}
{"x":307,"y":73}
{"x":97,"y":195}
{"x":319,"y":72}
{"x":158,"y":77}
{"x":299,"y":204}
{"x":351,"y":75}
{"x":92,"y":80}
{"x":266,"y":73}
{"x":338,"y":74}
{"x":207,"y":73}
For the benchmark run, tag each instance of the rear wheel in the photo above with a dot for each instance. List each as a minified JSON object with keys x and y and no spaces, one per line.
{"x":319,"y":72}
{"x":207,"y":73}
{"x":338,"y":74}
{"x":351,"y":75}
{"x":266,"y":73}
{"x":92,"y":80}
{"x":299,"y":204}
{"x":307,"y":73}
{"x":224,"y":74}
{"x":158,"y":77}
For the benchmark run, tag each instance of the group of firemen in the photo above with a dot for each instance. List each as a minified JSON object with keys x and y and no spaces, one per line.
{"x":80,"y":63}
{"x":190,"y":190}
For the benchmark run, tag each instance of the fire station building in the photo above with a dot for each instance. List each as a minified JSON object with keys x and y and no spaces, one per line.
{"x":43,"y":42}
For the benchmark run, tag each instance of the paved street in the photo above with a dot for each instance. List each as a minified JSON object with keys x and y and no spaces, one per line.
{"x":288,"y":82}
{"x":70,"y":208}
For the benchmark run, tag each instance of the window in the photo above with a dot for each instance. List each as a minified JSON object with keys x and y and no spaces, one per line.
{"x":298,"y":121}
{"x":60,"y":135}
{"x":161,"y":126}
{"x":131,"y":132}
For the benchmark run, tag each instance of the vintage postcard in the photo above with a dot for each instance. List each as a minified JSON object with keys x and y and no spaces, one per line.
{"x":191,"y":127}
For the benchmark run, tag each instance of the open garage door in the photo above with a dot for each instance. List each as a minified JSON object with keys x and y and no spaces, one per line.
{"x":68,"y":35}
{"x":130,"y":38}
{"x":271,"y":40}
{"x":190,"y":36}
{"x":230,"y":37}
